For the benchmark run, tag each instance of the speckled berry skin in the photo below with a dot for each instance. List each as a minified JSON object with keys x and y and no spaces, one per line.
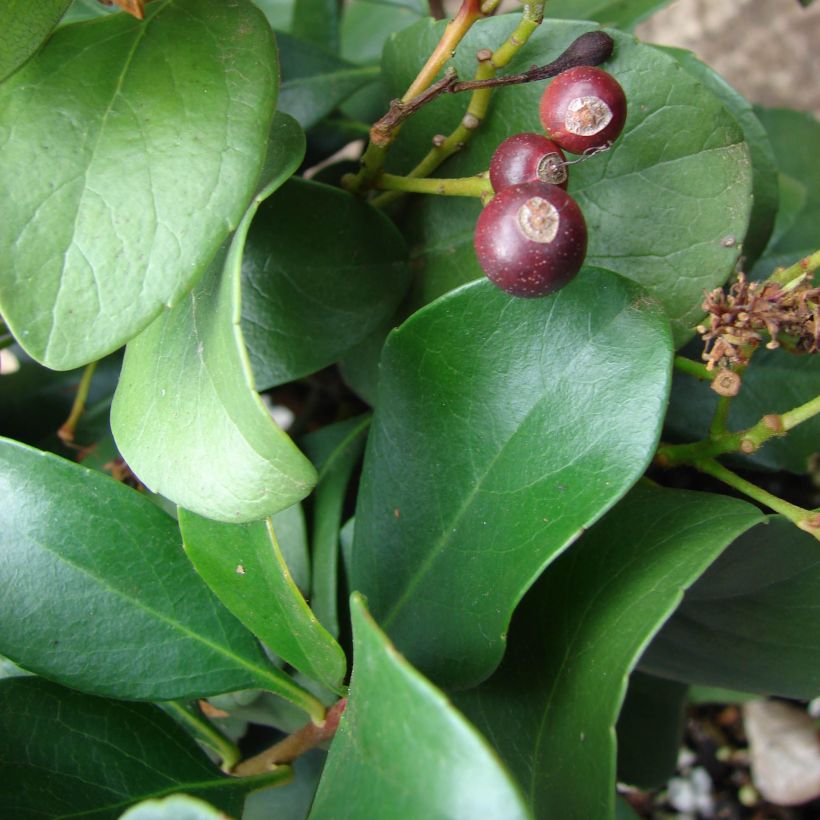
{"x":583,"y":109}
{"x":531,"y":239}
{"x":527,"y":158}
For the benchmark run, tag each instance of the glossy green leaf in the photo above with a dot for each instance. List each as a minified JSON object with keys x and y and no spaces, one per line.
{"x":317,"y":22}
{"x":753,"y":621}
{"x":551,"y":707}
{"x":794,"y":135}
{"x":504,"y":427}
{"x":243,"y":565}
{"x":625,"y":14}
{"x":650,"y":730}
{"x":335,"y":450}
{"x":88,"y":10}
{"x":291,"y":801}
{"x":126,"y":162}
{"x":776,"y":381}
{"x":440,"y":767}
{"x":291,"y":534}
{"x":23,"y":28}
{"x":658,"y":205}
{"x":66,"y":754}
{"x":186,"y":416}
{"x":308,"y":298}
{"x":315,"y":82}
{"x":175,"y":807}
{"x":765,"y":191}
{"x":99,"y":596}
{"x":278,"y":12}
{"x":367,"y":24}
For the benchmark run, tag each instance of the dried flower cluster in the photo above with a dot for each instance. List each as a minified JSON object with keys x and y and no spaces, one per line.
{"x":740,"y":319}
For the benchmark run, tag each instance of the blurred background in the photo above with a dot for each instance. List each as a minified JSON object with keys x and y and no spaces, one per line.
{"x":769,"y":50}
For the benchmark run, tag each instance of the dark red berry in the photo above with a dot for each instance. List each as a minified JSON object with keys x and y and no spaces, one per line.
{"x":531,"y":239}
{"x":583,"y":108}
{"x":527,"y":158}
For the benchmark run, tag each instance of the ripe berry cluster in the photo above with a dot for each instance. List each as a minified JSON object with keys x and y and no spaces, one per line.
{"x":531,"y":238}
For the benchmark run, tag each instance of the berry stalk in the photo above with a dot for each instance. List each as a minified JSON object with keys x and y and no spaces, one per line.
{"x":476,"y":186}
{"x":380,"y":139}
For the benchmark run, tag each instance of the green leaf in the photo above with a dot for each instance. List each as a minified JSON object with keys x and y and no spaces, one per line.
{"x":99,"y":596}
{"x":291,"y":801}
{"x":765,"y":191}
{"x":776,"y":381}
{"x":243,"y":565}
{"x":504,"y":427}
{"x":625,"y":14}
{"x":175,"y":807}
{"x":751,"y":623}
{"x":367,"y":25}
{"x":794,"y":136}
{"x":317,"y":22}
{"x":278,"y":12}
{"x":187,"y":389}
{"x":66,"y":754}
{"x":335,"y":450}
{"x":658,"y":205}
{"x":551,"y":707}
{"x":315,"y":82}
{"x":650,"y":730}
{"x":440,"y":769}
{"x":126,"y":162}
{"x":308,"y":298}
{"x":23,"y":28}
{"x":291,"y":534}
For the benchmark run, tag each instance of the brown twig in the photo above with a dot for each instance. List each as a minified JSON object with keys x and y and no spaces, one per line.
{"x":287,"y":750}
{"x":591,"y":48}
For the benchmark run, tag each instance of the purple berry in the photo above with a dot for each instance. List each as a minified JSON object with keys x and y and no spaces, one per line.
{"x":583,"y":109}
{"x":527,"y":158}
{"x":531,"y":239}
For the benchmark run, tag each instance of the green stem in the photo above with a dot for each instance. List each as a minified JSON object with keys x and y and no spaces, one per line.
{"x":800,"y":414}
{"x":477,"y":186}
{"x":227,"y":751}
{"x":744,"y":441}
{"x":376,"y":151}
{"x":479,"y":100}
{"x":67,"y":431}
{"x":720,"y":420}
{"x":805,"y":519}
{"x":6,"y":340}
{"x":794,"y":273}
{"x":696,"y":369}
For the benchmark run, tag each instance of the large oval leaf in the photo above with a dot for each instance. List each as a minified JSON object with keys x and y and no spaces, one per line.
{"x":503,"y":428}
{"x":751,"y":623}
{"x":660,"y":205}
{"x":440,"y":769}
{"x":551,"y":707}
{"x":765,"y":194}
{"x":71,"y":755}
{"x":320,"y":271}
{"x":23,"y":27}
{"x":127,"y":160}
{"x":186,"y":416}
{"x":99,"y":596}
{"x":243,"y":565}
